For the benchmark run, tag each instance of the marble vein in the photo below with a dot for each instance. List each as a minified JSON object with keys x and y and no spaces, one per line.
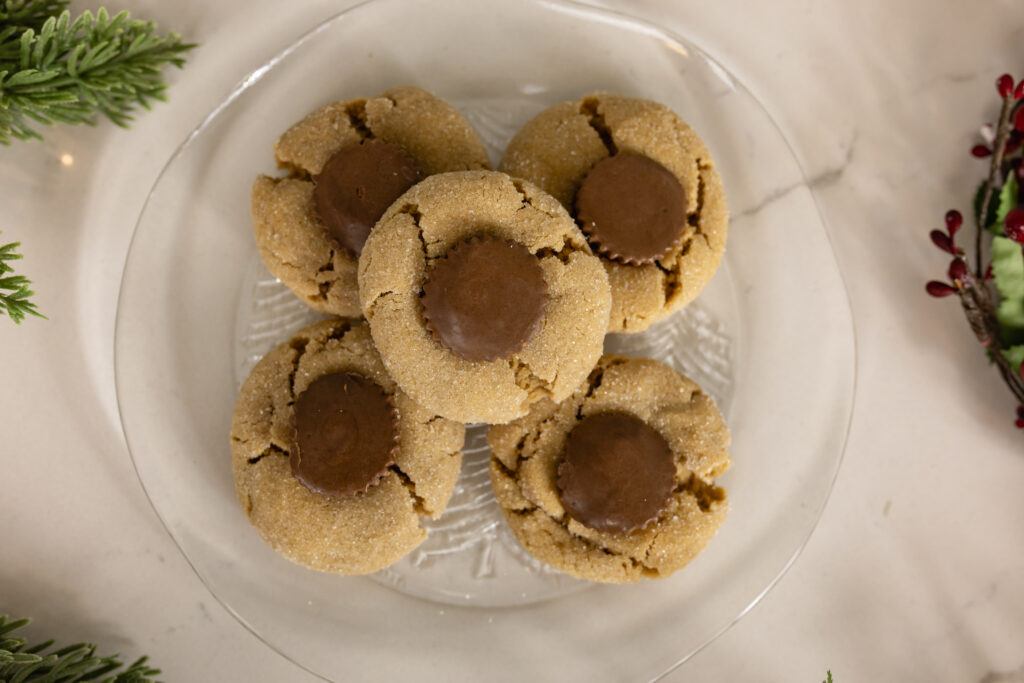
{"x":829,"y":176}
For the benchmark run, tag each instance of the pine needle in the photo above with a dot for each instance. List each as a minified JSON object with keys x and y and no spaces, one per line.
{"x":14,"y":291}
{"x":30,"y":13}
{"x":55,"y":70}
{"x":32,"y":664}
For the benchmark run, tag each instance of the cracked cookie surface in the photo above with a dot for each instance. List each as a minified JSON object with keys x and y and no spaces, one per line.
{"x":355,"y":534}
{"x":289,"y":236}
{"x":526,"y":454}
{"x":557,"y":148}
{"x":421,"y":227}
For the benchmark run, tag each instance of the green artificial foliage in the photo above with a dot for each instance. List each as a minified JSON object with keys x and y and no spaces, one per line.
{"x":1008,"y":274}
{"x":14,"y":291}
{"x":57,"y":70}
{"x":1015,"y":354}
{"x":1001,"y":203}
{"x":41,"y":663}
{"x":30,"y":13}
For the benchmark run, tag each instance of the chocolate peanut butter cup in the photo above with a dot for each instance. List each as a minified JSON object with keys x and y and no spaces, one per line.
{"x":346,"y":435}
{"x":357,"y":184}
{"x":632,"y":209}
{"x":485,"y":299}
{"x":618,"y":473}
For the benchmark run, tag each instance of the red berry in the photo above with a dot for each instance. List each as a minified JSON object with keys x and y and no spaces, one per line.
{"x":988,"y":272}
{"x":953,"y":221}
{"x":1004,"y":84}
{"x":957,"y":269}
{"x":943,"y":241}
{"x":939,"y":289}
{"x":1019,"y":423}
{"x":981,"y":151}
{"x":1018,"y":118}
{"x":1015,"y":224}
{"x":1018,"y":94}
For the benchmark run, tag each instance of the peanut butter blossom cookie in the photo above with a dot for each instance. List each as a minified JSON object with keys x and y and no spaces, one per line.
{"x":482,"y":296}
{"x":347,"y":162}
{"x":643,"y":188}
{"x":334,"y":464}
{"x":616,"y":483}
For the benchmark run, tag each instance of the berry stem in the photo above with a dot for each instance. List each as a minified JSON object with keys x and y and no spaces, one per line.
{"x":978,"y":297}
{"x":998,"y":152}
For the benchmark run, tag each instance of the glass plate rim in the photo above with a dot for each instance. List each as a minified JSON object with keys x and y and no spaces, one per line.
{"x":600,"y":13}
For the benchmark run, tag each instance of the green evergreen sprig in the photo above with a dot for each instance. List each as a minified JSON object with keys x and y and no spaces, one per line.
{"x":30,"y":13}
{"x":22,"y":663}
{"x":14,"y":289}
{"x":64,"y":71}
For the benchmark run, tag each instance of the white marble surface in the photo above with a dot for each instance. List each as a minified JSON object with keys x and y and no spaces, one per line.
{"x":916,"y":571}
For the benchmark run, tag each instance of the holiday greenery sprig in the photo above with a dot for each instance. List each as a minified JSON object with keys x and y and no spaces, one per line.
{"x":14,"y":289}
{"x":24,"y":663}
{"x":992,"y":292}
{"x":30,"y":13}
{"x":55,"y":70}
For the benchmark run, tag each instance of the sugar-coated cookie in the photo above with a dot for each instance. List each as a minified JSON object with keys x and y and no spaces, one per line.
{"x":616,"y":483}
{"x":643,"y":187}
{"x":483,"y":296}
{"x":334,"y":465}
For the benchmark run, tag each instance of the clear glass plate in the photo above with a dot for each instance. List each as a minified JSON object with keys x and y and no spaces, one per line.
{"x":771,"y":338}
